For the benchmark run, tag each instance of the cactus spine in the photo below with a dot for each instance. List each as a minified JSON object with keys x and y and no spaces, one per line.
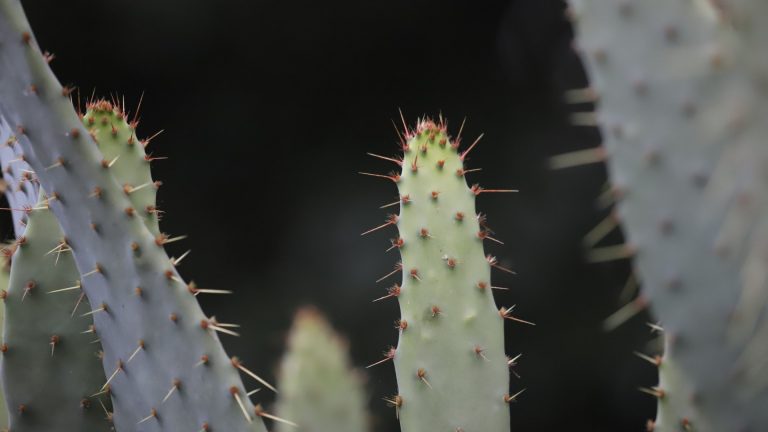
{"x":318,"y":389}
{"x":452,"y":371}
{"x":682,"y":107}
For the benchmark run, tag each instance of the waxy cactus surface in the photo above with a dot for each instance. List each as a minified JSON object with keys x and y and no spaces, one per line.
{"x":452,"y":371}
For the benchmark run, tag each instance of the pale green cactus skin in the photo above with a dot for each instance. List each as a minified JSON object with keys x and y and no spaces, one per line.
{"x":4,"y":280}
{"x":682,"y":106}
{"x":117,"y":141}
{"x":452,"y":372}
{"x":676,"y":409}
{"x":20,"y":193}
{"x":51,"y":368}
{"x":319,"y":390}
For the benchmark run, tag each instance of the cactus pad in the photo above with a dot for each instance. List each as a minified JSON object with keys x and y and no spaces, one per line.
{"x":451,"y":368}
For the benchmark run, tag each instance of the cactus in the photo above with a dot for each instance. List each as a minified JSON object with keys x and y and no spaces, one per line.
{"x":178,"y":377}
{"x":682,"y":104}
{"x":43,"y":266}
{"x":318,"y":390}
{"x":746,"y":16}
{"x":676,"y":409}
{"x":21,"y":193}
{"x":129,"y":163}
{"x":51,"y":370}
{"x":451,"y":368}
{"x":21,"y":190}
{"x":4,"y":279}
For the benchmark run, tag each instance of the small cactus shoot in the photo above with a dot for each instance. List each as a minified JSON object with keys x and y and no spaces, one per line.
{"x":319,"y":391}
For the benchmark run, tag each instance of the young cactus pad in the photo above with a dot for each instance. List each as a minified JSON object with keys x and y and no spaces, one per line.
{"x":166,"y":367}
{"x":682,"y":105}
{"x":130,"y":164}
{"x":452,"y":372}
{"x":319,"y":390}
{"x":52,"y":374}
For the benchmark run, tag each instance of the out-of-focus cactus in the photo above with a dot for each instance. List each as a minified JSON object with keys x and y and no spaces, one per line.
{"x":318,"y":389}
{"x":682,"y":106}
{"x":452,"y":371}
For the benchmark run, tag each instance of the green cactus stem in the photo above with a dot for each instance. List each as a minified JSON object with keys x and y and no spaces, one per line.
{"x":452,"y":371}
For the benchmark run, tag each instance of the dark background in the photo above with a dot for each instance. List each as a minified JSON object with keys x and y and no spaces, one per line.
{"x":269,"y":107}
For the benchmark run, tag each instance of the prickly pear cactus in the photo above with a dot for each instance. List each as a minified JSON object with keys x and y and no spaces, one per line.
{"x":318,"y":389}
{"x":45,"y":275}
{"x":452,"y":372}
{"x":21,"y":193}
{"x":51,"y":372}
{"x":163,"y":360}
{"x":21,"y":189}
{"x":682,"y":106}
{"x":4,"y":279}
{"x":129,"y":163}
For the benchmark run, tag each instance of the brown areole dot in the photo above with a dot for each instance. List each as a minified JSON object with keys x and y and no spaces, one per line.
{"x":414,"y":273}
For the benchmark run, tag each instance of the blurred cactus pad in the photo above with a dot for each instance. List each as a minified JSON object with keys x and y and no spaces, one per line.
{"x":319,"y":391}
{"x":681,"y":97}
